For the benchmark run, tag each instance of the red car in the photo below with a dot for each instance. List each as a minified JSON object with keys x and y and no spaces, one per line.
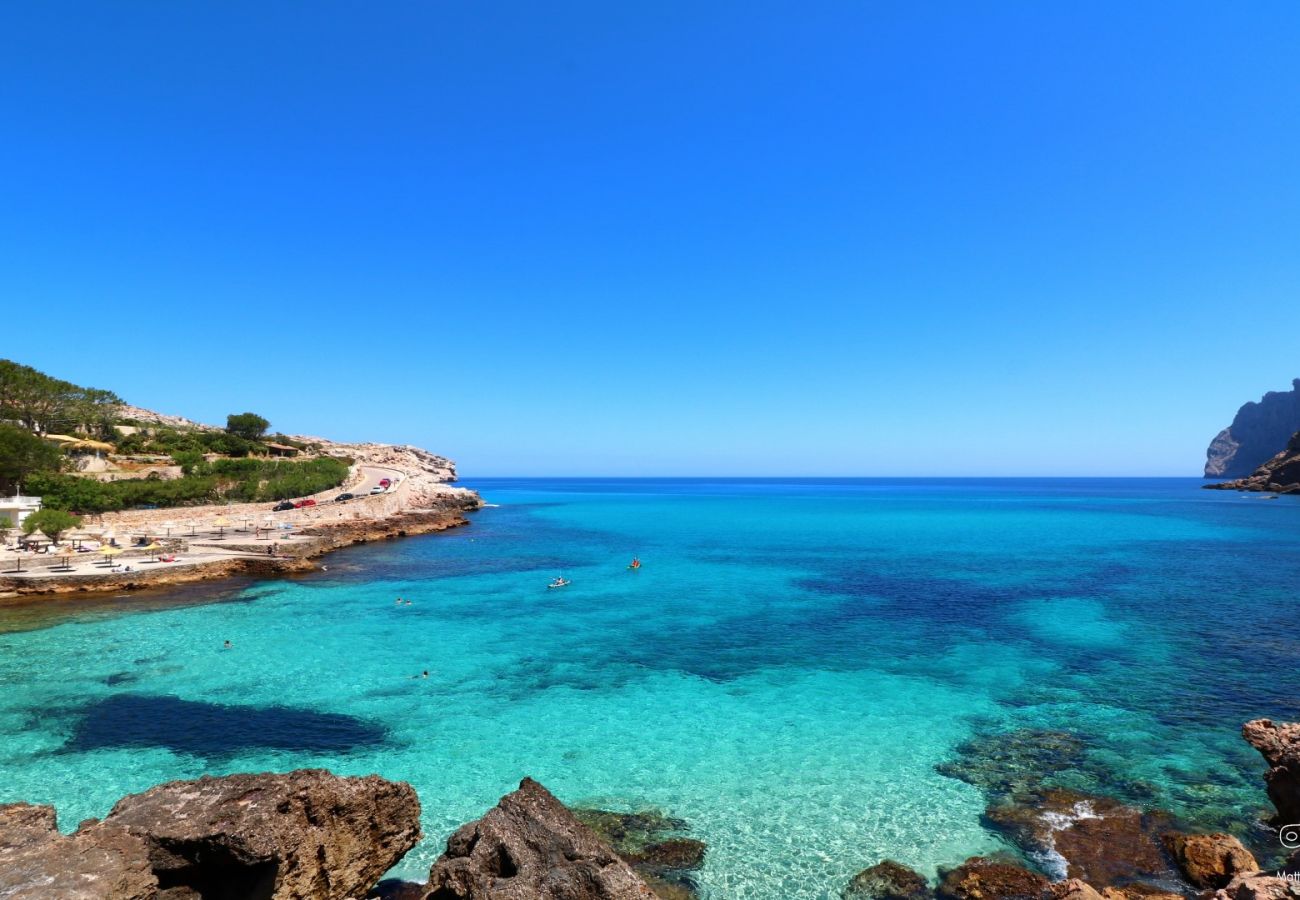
{"x":301,"y":503}
{"x":385,"y":482}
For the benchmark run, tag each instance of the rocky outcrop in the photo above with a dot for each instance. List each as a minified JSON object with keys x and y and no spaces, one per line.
{"x":305,"y":834}
{"x":99,"y":862}
{"x":1074,"y":889}
{"x":1258,"y":431}
{"x":1095,"y":839}
{"x":981,"y":878}
{"x":530,"y":847}
{"x":1259,"y":887}
{"x":887,"y":880}
{"x":1279,"y":744}
{"x":1280,"y":474}
{"x":1210,"y":860}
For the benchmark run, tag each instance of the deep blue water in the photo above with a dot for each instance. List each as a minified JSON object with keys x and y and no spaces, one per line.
{"x":795,"y":671}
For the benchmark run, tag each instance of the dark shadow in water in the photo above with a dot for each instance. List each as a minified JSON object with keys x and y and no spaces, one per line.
{"x":214,"y":729}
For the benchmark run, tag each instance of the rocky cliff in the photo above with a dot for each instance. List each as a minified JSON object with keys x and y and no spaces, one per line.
{"x":1257,"y":433}
{"x":1281,"y":474}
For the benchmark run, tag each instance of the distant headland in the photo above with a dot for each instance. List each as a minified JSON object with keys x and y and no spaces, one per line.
{"x":96,"y":494}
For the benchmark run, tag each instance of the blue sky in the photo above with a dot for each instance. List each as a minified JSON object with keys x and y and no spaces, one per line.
{"x":665,"y":238}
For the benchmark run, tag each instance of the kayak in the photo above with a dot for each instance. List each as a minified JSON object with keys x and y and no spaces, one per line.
{"x":559,"y":584}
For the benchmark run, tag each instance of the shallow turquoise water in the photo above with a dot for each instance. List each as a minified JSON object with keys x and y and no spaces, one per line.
{"x":786,"y":671}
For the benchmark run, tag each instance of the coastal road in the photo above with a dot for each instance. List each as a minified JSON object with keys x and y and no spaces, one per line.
{"x":372,"y":475}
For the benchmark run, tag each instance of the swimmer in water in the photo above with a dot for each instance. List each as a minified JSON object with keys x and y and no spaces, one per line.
{"x":228,"y":646}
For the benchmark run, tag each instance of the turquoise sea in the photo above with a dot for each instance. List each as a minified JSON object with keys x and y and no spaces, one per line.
{"x":797,"y":671}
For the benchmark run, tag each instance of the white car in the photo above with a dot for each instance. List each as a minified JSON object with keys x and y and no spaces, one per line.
{"x":377,"y":489}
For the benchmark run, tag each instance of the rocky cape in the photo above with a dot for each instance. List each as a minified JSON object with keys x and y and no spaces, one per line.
{"x":1258,"y":431}
{"x":1279,"y":475}
{"x":311,"y":835}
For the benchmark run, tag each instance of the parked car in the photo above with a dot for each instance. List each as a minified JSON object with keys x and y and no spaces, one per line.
{"x":385,"y":482}
{"x":344,"y":496}
{"x":308,"y":502}
{"x":377,"y":489}
{"x":283,"y":506}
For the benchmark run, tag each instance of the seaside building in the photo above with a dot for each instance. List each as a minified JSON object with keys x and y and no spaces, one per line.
{"x":17,"y":508}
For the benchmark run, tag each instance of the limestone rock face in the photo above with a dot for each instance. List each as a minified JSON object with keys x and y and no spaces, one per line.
{"x":1257,"y":433}
{"x":305,"y":835}
{"x":1281,"y":474}
{"x":979,"y":878}
{"x":1279,"y":744}
{"x":887,"y":880}
{"x":530,"y":847}
{"x":1210,"y":860}
{"x":99,"y":862}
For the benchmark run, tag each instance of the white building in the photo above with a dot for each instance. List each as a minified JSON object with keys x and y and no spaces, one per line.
{"x":17,"y":508}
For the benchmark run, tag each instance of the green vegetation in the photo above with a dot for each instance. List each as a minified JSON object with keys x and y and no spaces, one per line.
{"x":5,"y":526}
{"x":249,"y":426}
{"x":31,"y":401}
{"x":40,"y":403}
{"x":22,"y":454}
{"x":166,"y":441}
{"x":50,"y":522}
{"x":238,"y":480}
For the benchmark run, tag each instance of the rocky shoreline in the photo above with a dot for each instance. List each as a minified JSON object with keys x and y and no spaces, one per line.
{"x":299,"y":556}
{"x":311,"y":835}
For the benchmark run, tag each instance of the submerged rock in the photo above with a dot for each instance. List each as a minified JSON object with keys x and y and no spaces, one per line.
{"x":99,"y":862}
{"x":1210,"y":860}
{"x":1014,"y":764}
{"x":1095,"y":839}
{"x":305,"y":834}
{"x":530,"y":847}
{"x":980,"y":878}
{"x":887,"y":880}
{"x":1279,"y":744}
{"x":652,"y":844}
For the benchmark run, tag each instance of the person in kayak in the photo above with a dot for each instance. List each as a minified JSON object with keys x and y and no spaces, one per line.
{"x":636,"y":563}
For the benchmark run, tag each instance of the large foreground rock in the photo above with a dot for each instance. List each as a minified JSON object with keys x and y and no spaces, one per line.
{"x":530,"y":847}
{"x":1279,"y":744}
{"x":980,"y":878}
{"x":305,"y":835}
{"x":1210,"y":860}
{"x":99,"y":862}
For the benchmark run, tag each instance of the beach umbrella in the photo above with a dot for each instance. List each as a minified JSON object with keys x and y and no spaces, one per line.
{"x":152,"y":549}
{"x":108,"y":553}
{"x":221,"y":523}
{"x":191,"y":525}
{"x":66,"y":554}
{"x":169,"y":525}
